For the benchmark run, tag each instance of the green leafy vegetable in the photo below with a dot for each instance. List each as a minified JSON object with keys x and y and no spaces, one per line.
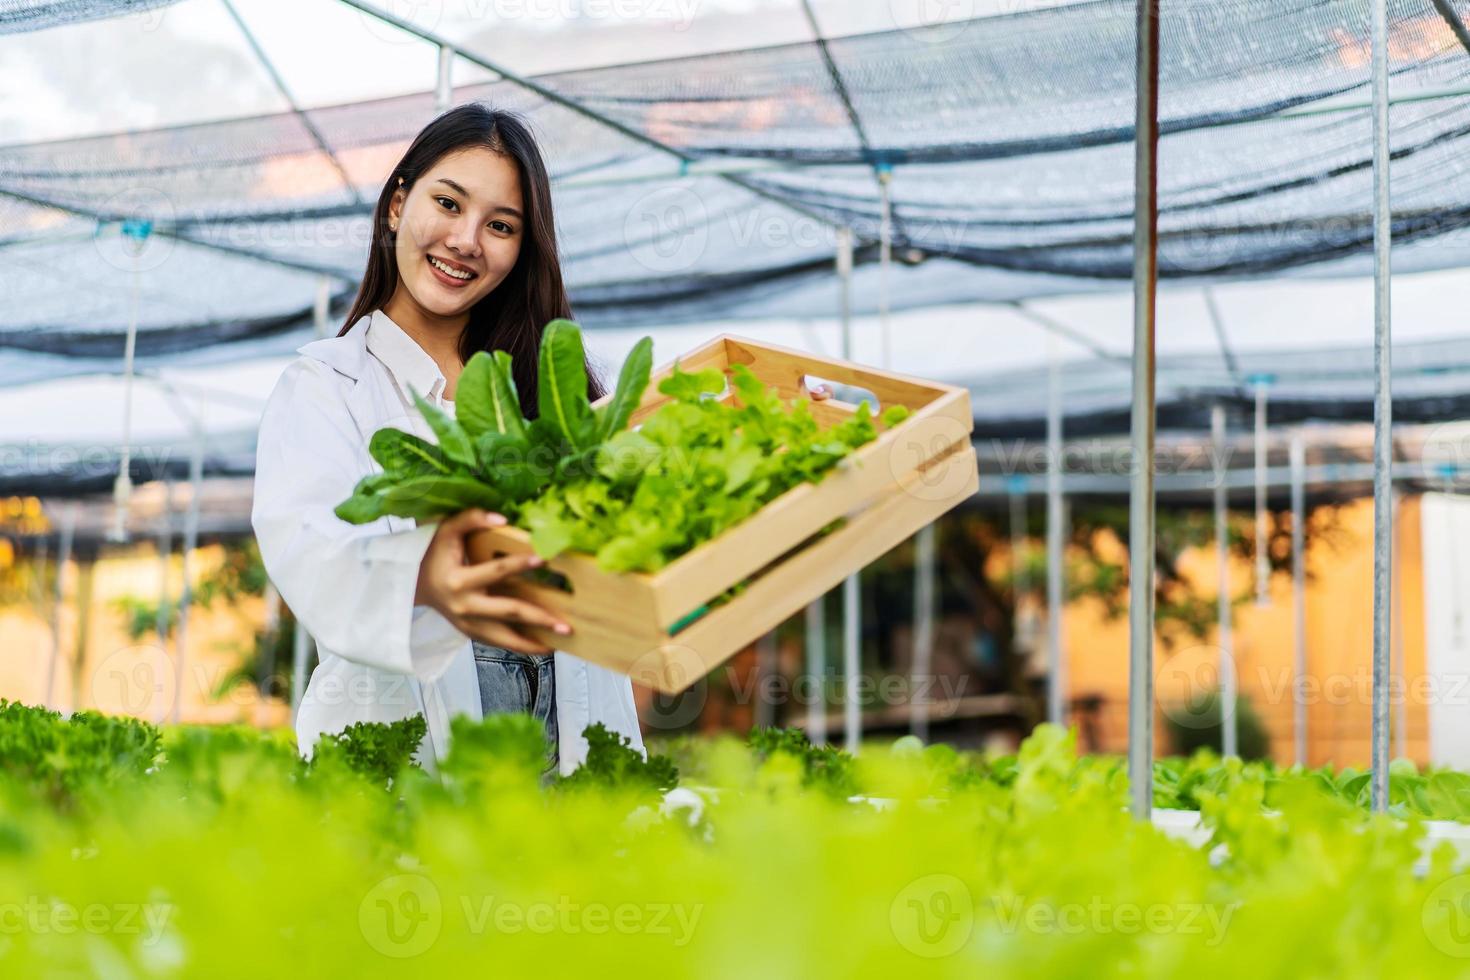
{"x":577,"y":478}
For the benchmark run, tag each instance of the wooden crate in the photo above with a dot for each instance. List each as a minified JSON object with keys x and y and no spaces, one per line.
{"x":635,"y":623}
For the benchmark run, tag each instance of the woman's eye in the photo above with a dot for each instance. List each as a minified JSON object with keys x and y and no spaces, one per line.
{"x":502,"y":226}
{"x":446,"y":203}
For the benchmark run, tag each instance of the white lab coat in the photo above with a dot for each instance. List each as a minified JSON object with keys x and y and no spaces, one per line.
{"x":382,"y":657}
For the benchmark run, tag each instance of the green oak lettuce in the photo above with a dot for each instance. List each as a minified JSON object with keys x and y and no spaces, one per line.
{"x":578,"y":479}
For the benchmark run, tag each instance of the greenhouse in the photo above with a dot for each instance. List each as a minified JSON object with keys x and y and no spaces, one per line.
{"x":663,"y":486}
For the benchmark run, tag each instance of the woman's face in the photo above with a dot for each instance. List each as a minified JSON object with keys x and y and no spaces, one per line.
{"x":458,"y":230}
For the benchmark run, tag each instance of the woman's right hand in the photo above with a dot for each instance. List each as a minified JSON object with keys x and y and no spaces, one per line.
{"x":461,"y":592}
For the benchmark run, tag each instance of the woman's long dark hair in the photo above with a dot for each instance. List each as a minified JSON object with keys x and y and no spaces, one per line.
{"x":511,"y":316}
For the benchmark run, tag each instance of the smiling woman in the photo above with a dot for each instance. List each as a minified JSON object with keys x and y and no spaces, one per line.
{"x":463,"y":259}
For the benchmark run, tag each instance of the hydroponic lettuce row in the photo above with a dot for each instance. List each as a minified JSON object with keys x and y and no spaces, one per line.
{"x":209,"y":852}
{"x":579,"y":479}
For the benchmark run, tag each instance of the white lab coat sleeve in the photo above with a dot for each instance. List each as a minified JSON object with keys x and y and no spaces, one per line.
{"x":352,"y":586}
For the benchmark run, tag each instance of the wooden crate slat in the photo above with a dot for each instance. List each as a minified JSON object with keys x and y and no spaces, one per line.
{"x":793,"y":585}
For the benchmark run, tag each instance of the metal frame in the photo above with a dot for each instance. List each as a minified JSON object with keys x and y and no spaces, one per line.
{"x":1141,"y":495}
{"x":1382,"y":409}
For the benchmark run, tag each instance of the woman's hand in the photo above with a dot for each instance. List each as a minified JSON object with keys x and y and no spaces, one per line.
{"x":820,"y":393}
{"x":461,"y":592}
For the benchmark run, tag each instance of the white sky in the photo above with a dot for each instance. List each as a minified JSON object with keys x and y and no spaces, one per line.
{"x":189,"y":62}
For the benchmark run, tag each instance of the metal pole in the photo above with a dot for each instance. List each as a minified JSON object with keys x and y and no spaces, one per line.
{"x":852,"y":720}
{"x":267,"y":666}
{"x":1141,"y":492}
{"x":322,"y":307}
{"x":300,"y":650}
{"x":444,"y":84}
{"x":1263,"y":560}
{"x":1016,"y":493}
{"x":191,"y":541}
{"x":816,"y":665}
{"x":63,"y":557}
{"x":1399,"y":687}
{"x":1229,"y":727}
{"x":923,"y":659}
{"x":122,"y":487}
{"x":165,"y":552}
{"x":844,"y":288}
{"x":885,"y":258}
{"x":1299,"y":593}
{"x":1056,"y":689}
{"x":766,"y":652}
{"x":1382,"y":406}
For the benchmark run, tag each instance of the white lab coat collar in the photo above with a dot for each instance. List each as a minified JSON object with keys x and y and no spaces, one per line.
{"x":411,"y":367}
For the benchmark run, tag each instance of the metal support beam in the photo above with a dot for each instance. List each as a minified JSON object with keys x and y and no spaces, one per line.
{"x":766,"y":665}
{"x":1299,"y":595}
{"x":280,"y":83}
{"x":1399,"y":684}
{"x":63,"y":558}
{"x":1056,"y":688}
{"x":165,"y":597}
{"x":852,"y":721}
{"x":1141,"y":496}
{"x":551,"y":95}
{"x":1382,"y":406}
{"x":1263,"y":559}
{"x":816,"y":665}
{"x":444,"y":80}
{"x":191,"y":541}
{"x":923,"y":657}
{"x":1227,"y":353}
{"x":301,"y":644}
{"x":1229,"y":726}
{"x":852,"y":663}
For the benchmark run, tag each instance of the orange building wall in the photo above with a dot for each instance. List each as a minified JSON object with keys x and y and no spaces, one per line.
{"x":120,"y":676}
{"x":1339,"y":620}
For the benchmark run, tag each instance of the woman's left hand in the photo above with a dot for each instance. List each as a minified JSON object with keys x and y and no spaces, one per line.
{"x":820,"y":393}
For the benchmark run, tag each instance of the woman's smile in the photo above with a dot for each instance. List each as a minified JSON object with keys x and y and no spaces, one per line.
{"x":454,"y":275}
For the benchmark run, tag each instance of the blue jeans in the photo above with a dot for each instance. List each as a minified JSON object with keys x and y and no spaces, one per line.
{"x":512,"y":682}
